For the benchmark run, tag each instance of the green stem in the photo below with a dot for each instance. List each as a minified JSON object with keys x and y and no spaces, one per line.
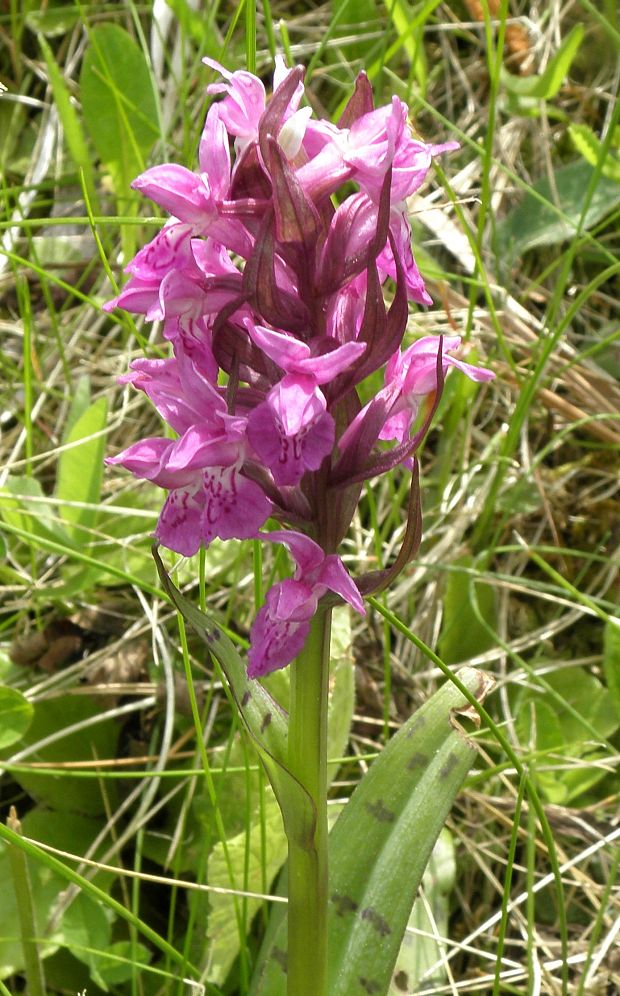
{"x":307,"y":857}
{"x":25,"y":910}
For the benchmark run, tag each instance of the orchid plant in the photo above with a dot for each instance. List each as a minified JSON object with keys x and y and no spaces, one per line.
{"x":269,"y":280}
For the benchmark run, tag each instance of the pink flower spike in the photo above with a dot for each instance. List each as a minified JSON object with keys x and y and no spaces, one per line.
{"x":280,"y":628}
{"x":413,"y":375}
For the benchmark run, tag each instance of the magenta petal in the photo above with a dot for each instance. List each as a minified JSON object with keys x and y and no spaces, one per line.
{"x":284,"y":350}
{"x":214,"y":153}
{"x":143,"y":459}
{"x":327,"y":366}
{"x":334,"y":575}
{"x":178,"y":191}
{"x":281,"y":627}
{"x":179,"y":526}
{"x":235,"y":508}
{"x":308,"y":555}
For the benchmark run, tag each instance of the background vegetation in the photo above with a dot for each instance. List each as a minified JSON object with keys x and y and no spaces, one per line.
{"x":155,"y":837}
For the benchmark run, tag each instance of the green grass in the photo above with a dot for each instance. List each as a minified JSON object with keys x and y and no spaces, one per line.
{"x":148,"y":829}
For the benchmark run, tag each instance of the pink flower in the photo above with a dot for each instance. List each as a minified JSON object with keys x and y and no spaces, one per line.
{"x":411,"y":375}
{"x":292,"y":431}
{"x":280,"y":629}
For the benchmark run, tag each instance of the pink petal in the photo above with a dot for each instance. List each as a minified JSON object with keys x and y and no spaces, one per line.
{"x":179,"y":526}
{"x":334,"y":575}
{"x":278,"y":634}
{"x":235,"y":507}
{"x":179,"y":191}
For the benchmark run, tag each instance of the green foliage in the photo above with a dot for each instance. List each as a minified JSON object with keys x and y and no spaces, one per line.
{"x":370,"y":898}
{"x":118,"y":99}
{"x":84,"y":927}
{"x":611,"y":662}
{"x":469,"y":614}
{"x":422,"y":946}
{"x":558,"y":722}
{"x":80,"y":465}
{"x":16,"y":714}
{"x":547,"y":85}
{"x":261,"y":847}
{"x":549,"y":215}
{"x":591,"y":148}
{"x":91,"y":739}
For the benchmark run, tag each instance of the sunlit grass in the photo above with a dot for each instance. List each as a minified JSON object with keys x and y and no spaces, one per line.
{"x":518,"y":567}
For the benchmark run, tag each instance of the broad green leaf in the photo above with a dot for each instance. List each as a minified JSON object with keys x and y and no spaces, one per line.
{"x":83,"y":925}
{"x":53,"y":19}
{"x":22,"y":504}
{"x":262,"y":868}
{"x":119,"y":962}
{"x":380,"y":846}
{"x":611,"y":662}
{"x":80,"y":469}
{"x":568,"y":719}
{"x":467,"y":605}
{"x":53,"y":717}
{"x":16,"y":714}
{"x":118,"y":99}
{"x":70,"y":121}
{"x":591,"y":148}
{"x":546,"y":86}
{"x":533,"y":223}
{"x":421,"y":949}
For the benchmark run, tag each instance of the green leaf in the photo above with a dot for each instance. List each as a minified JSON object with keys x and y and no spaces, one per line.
{"x":611,"y":662}
{"x":83,"y":924}
{"x":468,"y":604}
{"x":567,"y":718}
{"x":591,"y":148}
{"x":16,"y":714}
{"x":421,"y":949}
{"x":546,"y":86}
{"x":52,"y":717}
{"x":264,"y":720}
{"x":390,"y":824}
{"x":70,"y":121}
{"x":23,"y":505}
{"x":118,"y":962}
{"x":533,"y":223}
{"x":80,"y":469}
{"x":118,"y":99}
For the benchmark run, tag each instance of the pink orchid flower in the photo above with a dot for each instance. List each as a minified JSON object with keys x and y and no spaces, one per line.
{"x":412,"y":375}
{"x":282,"y":624}
{"x":292,"y":431}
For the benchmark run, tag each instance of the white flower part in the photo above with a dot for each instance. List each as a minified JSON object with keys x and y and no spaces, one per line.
{"x":292,"y":132}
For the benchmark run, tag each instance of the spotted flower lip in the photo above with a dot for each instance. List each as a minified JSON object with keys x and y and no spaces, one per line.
{"x":283,"y":280}
{"x":282,"y":624}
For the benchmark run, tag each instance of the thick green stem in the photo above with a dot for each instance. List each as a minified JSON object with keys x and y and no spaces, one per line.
{"x":307,"y":899}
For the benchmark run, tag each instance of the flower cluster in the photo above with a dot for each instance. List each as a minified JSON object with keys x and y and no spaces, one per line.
{"x":268,"y":281}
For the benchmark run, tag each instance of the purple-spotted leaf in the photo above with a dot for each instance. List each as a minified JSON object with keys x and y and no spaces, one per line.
{"x":380,"y":846}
